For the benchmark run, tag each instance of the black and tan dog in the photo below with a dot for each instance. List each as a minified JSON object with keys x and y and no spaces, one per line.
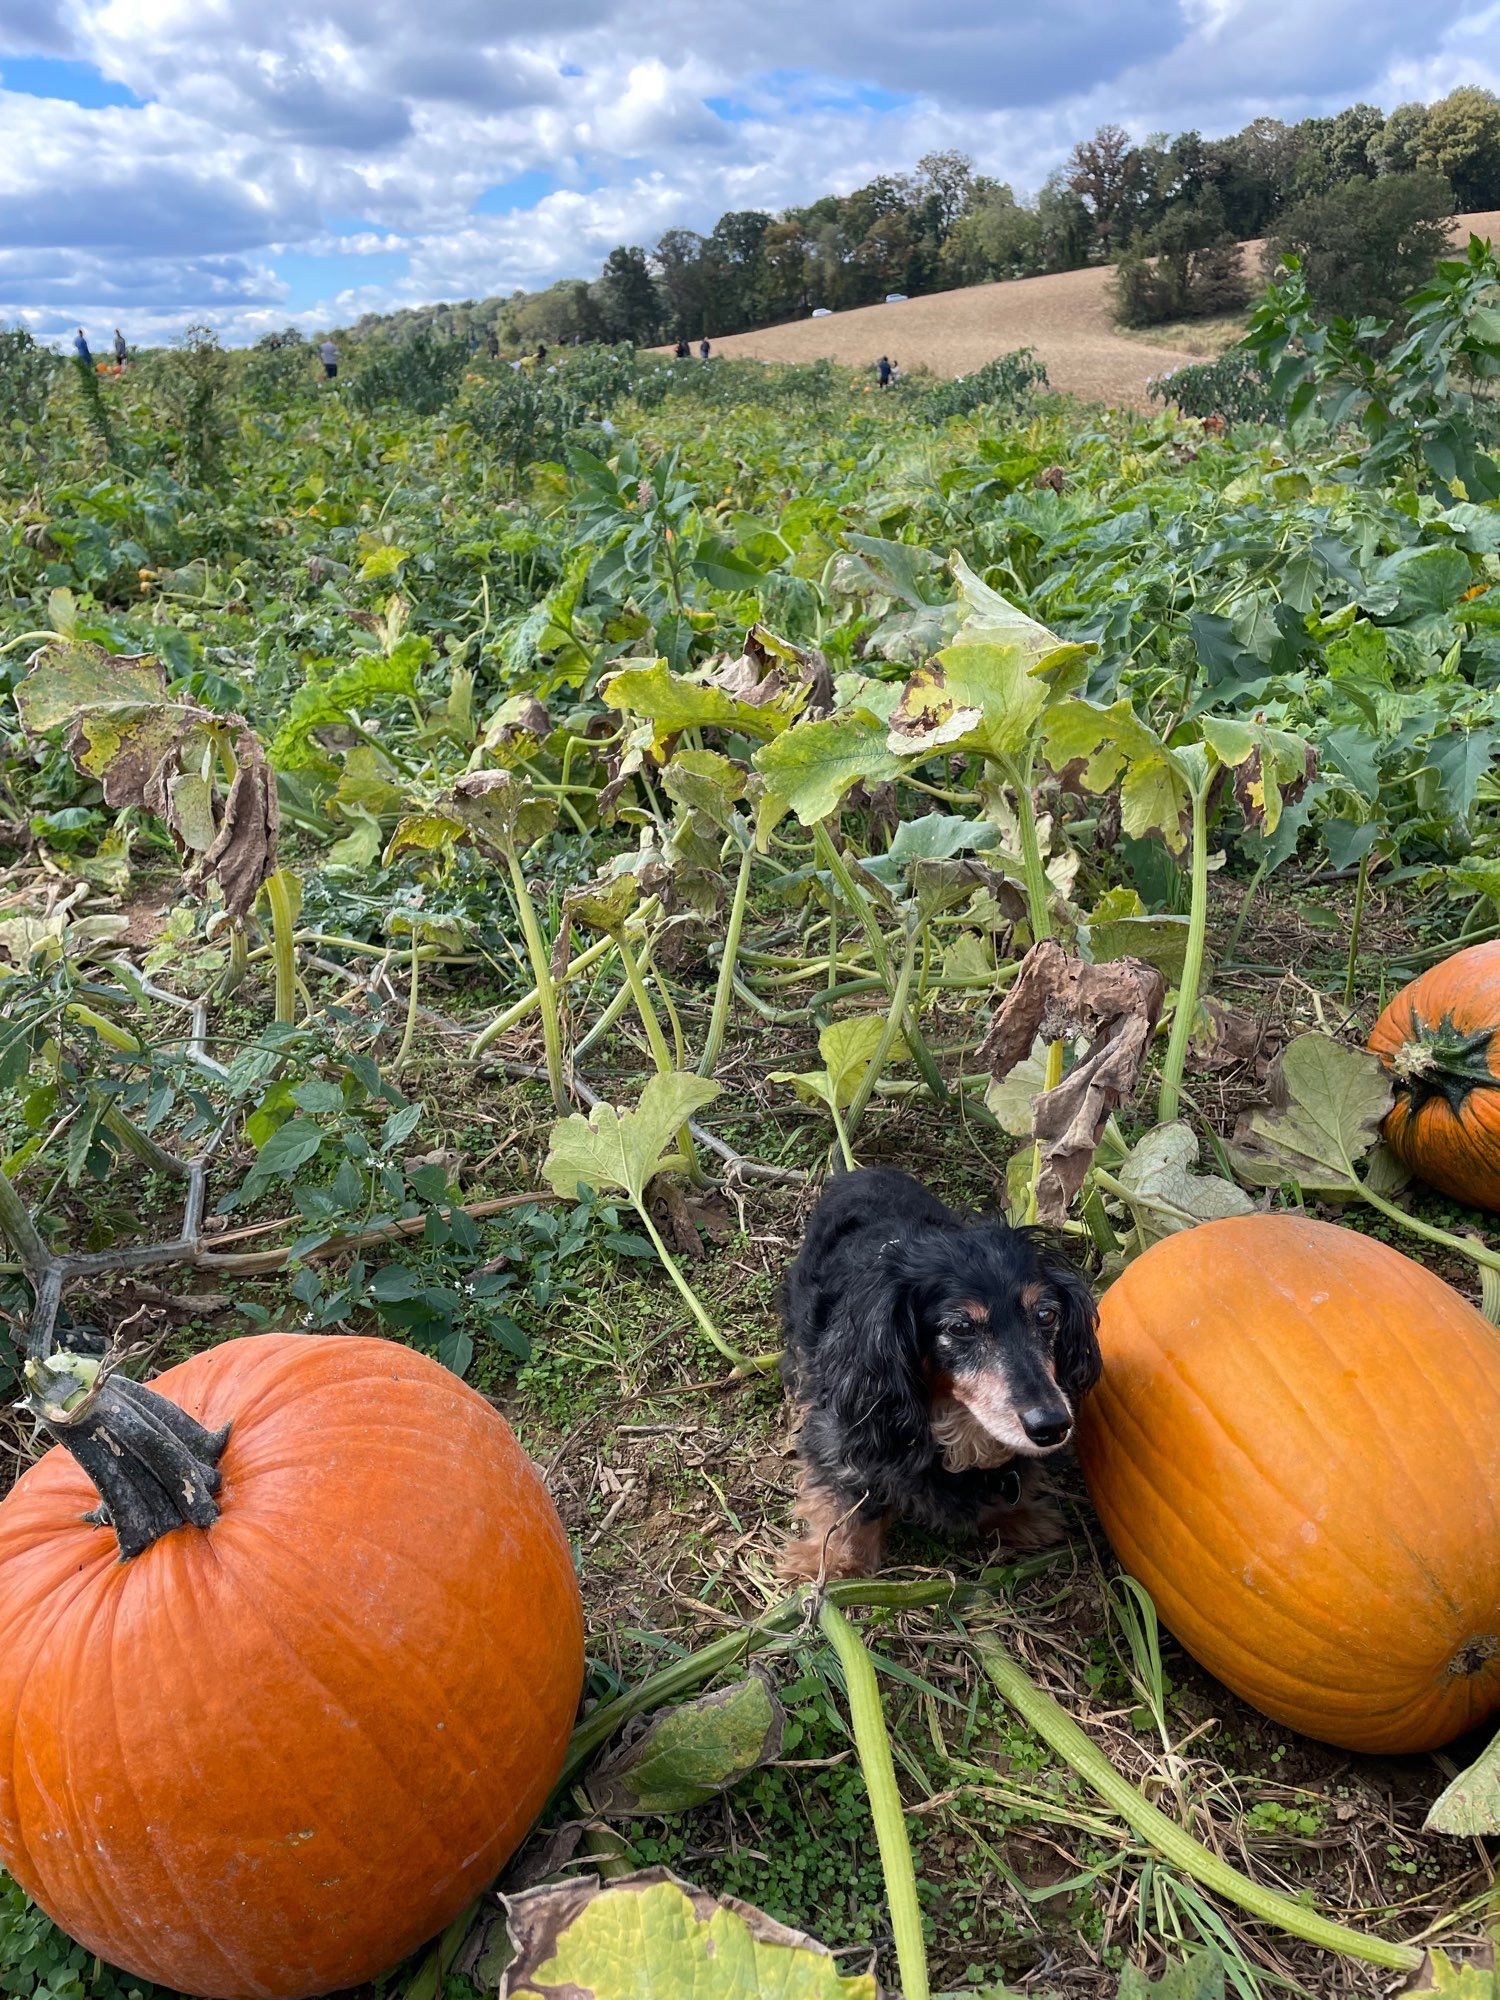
{"x":936,"y":1360}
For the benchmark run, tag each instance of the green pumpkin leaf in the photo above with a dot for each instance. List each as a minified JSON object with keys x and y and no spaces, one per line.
{"x":1470,"y":1806}
{"x":1200,"y":1978}
{"x":425,"y":833}
{"x":625,"y":1149}
{"x":651,"y":1933}
{"x":692,"y":1752}
{"x":1324,"y":1106}
{"x":808,"y":769}
{"x":847,"y":1048}
{"x":993,"y":619}
{"x":671,"y":703}
{"x":1165,"y":1192}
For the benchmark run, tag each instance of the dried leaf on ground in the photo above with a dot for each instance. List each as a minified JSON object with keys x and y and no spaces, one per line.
{"x":1116,"y":1006}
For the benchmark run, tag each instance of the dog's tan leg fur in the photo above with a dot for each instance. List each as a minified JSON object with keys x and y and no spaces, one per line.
{"x":1035,"y":1522}
{"x":836,"y":1544}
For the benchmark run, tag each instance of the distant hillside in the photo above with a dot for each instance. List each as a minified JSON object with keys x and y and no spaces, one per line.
{"x":1066,"y":318}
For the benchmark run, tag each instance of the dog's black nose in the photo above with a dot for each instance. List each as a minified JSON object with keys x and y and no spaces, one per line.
{"x":1046,"y":1428}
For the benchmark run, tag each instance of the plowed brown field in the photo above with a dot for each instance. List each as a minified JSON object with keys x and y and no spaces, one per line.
{"x":1066,"y":318}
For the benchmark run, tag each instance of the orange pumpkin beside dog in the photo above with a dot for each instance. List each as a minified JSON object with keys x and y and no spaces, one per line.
{"x":271,"y":1756}
{"x":1440,"y":1039}
{"x":1296,"y":1449}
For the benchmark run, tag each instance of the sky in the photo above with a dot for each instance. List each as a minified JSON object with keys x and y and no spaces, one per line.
{"x":250,"y":163}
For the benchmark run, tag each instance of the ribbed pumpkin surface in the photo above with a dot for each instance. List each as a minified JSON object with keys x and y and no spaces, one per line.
{"x":1440,"y":1039}
{"x":273,"y":1757}
{"x":1296,"y":1449}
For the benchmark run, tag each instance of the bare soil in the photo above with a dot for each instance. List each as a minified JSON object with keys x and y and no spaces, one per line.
{"x":1067,"y":318}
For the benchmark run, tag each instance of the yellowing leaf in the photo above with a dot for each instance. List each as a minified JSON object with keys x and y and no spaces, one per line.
{"x":652,"y":1934}
{"x":1099,"y":746}
{"x":672,"y":703}
{"x":847,"y":1048}
{"x":624,"y":1149}
{"x":809,"y":768}
{"x":977,"y":696}
{"x":1470,"y":1807}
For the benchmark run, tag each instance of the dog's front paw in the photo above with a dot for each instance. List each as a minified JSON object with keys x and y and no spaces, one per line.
{"x":1035,"y":1522}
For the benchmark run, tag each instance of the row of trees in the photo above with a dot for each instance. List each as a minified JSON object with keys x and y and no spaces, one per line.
{"x":946,"y":224}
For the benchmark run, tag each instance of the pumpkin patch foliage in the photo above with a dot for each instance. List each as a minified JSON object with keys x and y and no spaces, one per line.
{"x":469,"y":872}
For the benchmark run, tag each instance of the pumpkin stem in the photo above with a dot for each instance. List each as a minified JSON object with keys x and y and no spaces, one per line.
{"x":156,"y":1469}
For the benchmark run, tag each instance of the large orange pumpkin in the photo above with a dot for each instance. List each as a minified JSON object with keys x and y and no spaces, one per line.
{"x":1296,"y":1449}
{"x":271,"y":1755}
{"x":1440,"y":1039}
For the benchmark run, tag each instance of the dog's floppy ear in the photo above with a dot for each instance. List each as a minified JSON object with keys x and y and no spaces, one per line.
{"x":1079,"y":1364}
{"x":868,"y":1361}
{"x":1076,"y":1352}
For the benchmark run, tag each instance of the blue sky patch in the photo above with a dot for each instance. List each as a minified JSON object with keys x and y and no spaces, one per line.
{"x":524,"y":191}
{"x":74,"y":82}
{"x":312,"y":278}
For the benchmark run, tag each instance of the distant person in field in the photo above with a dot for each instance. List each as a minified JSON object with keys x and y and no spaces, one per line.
{"x":682,"y":351}
{"x":81,"y":347}
{"x":328,"y":354}
{"x":704,"y":350}
{"x":895,"y":373}
{"x":494,"y":345}
{"x":883,"y":372}
{"x":541,"y":352}
{"x":122,"y":352}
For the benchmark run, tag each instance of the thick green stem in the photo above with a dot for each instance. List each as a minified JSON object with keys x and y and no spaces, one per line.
{"x":410,"y":1031}
{"x":671,"y":1682}
{"x":718,"y":1022}
{"x":284,"y":950}
{"x":1445,"y":1239}
{"x":239,"y":961}
{"x":846,"y":1151}
{"x":1355,"y":922}
{"x":690,"y":1297}
{"x":541,"y":972}
{"x":656,"y":1040}
{"x":140,"y":1145}
{"x":1061,"y":1734}
{"x":873,"y":1743}
{"x":19,"y":1229}
{"x":529,"y":1002}
{"x":1185,"y":1018}
{"x":889,"y":1034}
{"x":830,"y":857}
{"x":1033,"y":868}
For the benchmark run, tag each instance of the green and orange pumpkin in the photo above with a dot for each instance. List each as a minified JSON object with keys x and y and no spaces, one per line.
{"x":319,"y":1706}
{"x":1440,"y":1040}
{"x":1295,"y":1447}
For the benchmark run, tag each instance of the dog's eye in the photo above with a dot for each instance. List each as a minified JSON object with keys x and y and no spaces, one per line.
{"x":1047,"y":1317}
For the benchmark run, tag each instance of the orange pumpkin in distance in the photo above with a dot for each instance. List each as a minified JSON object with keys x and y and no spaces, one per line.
{"x":1440,"y":1040}
{"x":1296,"y":1449}
{"x":266,"y":1758}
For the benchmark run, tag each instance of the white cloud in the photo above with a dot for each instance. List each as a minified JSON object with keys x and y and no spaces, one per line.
{"x":325,"y":157}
